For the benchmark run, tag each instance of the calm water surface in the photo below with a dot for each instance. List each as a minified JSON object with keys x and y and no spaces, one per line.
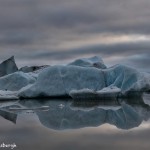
{"x":76,"y":125}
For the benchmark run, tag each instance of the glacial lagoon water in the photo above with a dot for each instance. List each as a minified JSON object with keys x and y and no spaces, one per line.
{"x":64,"y":124}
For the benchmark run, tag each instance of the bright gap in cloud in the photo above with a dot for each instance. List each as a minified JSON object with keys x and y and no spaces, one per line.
{"x":103,"y":39}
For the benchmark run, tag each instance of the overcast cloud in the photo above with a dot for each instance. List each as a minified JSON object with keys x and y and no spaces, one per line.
{"x":54,"y":31}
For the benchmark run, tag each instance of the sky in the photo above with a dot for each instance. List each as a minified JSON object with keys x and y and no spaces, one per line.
{"x":39,"y":32}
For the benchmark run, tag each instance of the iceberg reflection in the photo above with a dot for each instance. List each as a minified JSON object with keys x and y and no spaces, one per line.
{"x":73,"y":115}
{"x":69,"y":114}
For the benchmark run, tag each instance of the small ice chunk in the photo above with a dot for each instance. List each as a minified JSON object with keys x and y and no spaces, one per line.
{"x":107,"y":92}
{"x":8,"y":95}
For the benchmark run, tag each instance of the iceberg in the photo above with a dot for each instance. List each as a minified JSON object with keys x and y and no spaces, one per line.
{"x":88,"y":82}
{"x":8,"y":66}
{"x":85,"y":78}
{"x":57,"y":81}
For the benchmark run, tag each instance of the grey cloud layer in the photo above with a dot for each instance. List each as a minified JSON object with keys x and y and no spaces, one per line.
{"x":96,"y":15}
{"x":37,"y":27}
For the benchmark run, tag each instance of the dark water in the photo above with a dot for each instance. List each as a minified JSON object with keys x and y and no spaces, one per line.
{"x":76,"y":125}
